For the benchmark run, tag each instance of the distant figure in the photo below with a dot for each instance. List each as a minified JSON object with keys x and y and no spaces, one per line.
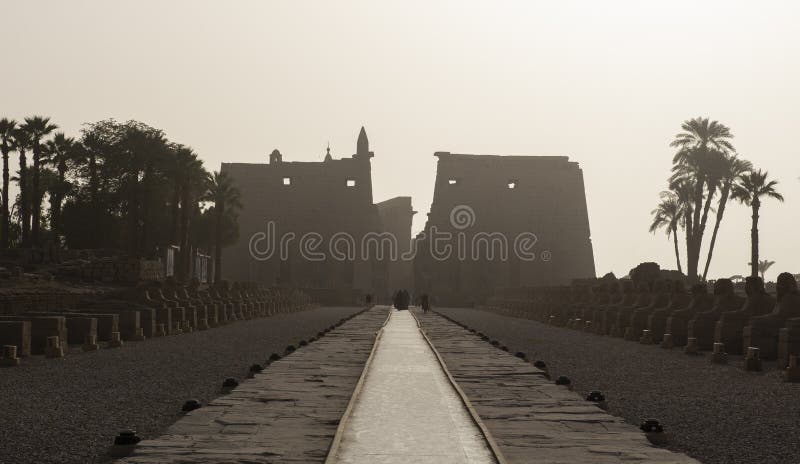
{"x":368,"y":300}
{"x":425,"y":303}
{"x":401,"y":299}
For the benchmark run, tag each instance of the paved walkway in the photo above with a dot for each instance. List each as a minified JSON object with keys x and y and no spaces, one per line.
{"x":407,"y":410}
{"x":289,"y":413}
{"x":530,"y":418}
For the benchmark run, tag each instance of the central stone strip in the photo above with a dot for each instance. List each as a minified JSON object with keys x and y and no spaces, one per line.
{"x":407,"y":410}
{"x":289,"y":413}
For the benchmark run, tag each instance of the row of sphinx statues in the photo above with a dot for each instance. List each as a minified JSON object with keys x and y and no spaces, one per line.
{"x":663,"y":311}
{"x":180,"y":308}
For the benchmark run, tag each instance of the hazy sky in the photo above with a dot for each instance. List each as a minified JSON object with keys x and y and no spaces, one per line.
{"x":606,"y":83}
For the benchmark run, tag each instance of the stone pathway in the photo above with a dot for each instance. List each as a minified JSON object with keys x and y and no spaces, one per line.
{"x":407,"y":410}
{"x":287,"y":413}
{"x":530,"y":418}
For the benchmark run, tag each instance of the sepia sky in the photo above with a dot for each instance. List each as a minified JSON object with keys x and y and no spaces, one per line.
{"x":606,"y":83}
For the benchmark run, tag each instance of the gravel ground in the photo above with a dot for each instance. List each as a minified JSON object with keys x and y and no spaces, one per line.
{"x":69,"y":410}
{"x":714,"y":413}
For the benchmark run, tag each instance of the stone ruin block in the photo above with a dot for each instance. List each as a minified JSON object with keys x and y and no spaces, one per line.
{"x":107,"y":324}
{"x":43,"y":327}
{"x":78,"y":328}
{"x":17,"y":333}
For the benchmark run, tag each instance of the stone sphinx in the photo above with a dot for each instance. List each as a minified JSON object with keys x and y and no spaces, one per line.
{"x":729,"y":328}
{"x":608,"y":315}
{"x":595,"y":313}
{"x":702,"y":325}
{"x":639,"y":317}
{"x":762,"y":331}
{"x":600,"y":297}
{"x":678,"y":321}
{"x":644,"y":297}
{"x":679,"y":298}
{"x":581,"y":295}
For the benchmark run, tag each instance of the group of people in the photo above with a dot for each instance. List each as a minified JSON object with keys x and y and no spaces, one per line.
{"x":402,"y":299}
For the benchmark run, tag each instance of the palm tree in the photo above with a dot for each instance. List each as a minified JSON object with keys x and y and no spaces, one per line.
{"x":22,"y":141}
{"x":733,"y":168}
{"x":39,"y":127}
{"x":669,"y":215}
{"x":7,"y":128}
{"x":227,"y":199}
{"x":702,"y":146}
{"x":193,"y":181}
{"x":752,"y":186}
{"x":763,"y":267}
{"x":60,"y":151}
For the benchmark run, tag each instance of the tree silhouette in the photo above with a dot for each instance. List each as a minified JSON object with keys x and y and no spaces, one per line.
{"x":22,"y":142}
{"x":733,"y":168}
{"x":751,"y":188}
{"x":700,"y":162}
{"x":227,"y":201}
{"x":60,"y":151}
{"x":668,"y":215}
{"x":38,"y":127}
{"x":7,"y":129}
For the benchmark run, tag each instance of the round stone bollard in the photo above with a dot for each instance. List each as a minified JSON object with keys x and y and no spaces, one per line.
{"x":792,"y":371}
{"x":90,"y":343}
{"x":691,"y":346}
{"x":647,"y":337}
{"x":667,"y":342}
{"x":9,"y":358}
{"x":654,"y":432}
{"x":598,"y":399}
{"x":564,"y":381}
{"x":255,"y":369}
{"x":116,"y":340}
{"x":124,"y":443}
{"x":190,"y":405}
{"x":53,"y":348}
{"x":719,"y":356}
{"x":230,"y":383}
{"x":541,"y":365}
{"x":752,"y":360}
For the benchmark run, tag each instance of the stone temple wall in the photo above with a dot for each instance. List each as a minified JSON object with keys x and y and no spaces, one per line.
{"x":329,"y":197}
{"x":479,"y":198}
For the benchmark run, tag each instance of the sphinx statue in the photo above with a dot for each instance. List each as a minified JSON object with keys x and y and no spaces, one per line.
{"x":678,"y":321}
{"x":728,"y":330}
{"x":639,"y":317}
{"x":608,"y":316}
{"x":679,"y":298}
{"x":643,"y":299}
{"x":595,"y":313}
{"x":702,"y":325}
{"x":762,"y":331}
